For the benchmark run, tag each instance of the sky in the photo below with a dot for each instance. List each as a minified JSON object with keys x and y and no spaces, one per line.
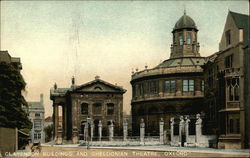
{"x":60,"y":39}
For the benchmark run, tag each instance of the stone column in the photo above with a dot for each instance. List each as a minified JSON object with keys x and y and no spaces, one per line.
{"x":198,"y":125}
{"x":171,"y":130}
{"x":142,"y":131}
{"x":91,"y":130}
{"x":187,"y":120}
{"x":181,"y":125}
{"x":65,"y":121}
{"x":75,"y":135}
{"x":100,"y":130}
{"x":125,"y":130}
{"x":56,"y":120}
{"x":111,"y":131}
{"x":161,"y":123}
{"x":59,"y":136}
{"x":86,"y":131}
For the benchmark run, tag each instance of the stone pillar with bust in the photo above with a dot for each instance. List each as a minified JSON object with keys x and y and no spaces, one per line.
{"x":142,"y":131}
{"x":91,"y":130}
{"x":187,"y":120}
{"x":181,"y":126}
{"x":125,"y":130}
{"x":111,"y":131}
{"x":198,"y":126}
{"x":100,"y":130}
{"x":161,"y":125}
{"x":171,"y":131}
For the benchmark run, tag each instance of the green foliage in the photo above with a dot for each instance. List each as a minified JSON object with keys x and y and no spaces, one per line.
{"x":11,"y":100}
{"x":48,"y":133}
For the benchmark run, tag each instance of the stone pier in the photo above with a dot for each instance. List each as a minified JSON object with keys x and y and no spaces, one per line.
{"x":100,"y":130}
{"x":161,"y":124}
{"x":111,"y":131}
{"x":142,"y":131}
{"x":125,"y":130}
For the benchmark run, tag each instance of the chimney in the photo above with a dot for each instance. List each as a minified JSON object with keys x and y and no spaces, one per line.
{"x":41,"y":98}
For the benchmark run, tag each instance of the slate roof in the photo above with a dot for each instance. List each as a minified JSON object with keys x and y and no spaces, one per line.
{"x":185,"y":22}
{"x":242,"y":22}
{"x":184,"y":61}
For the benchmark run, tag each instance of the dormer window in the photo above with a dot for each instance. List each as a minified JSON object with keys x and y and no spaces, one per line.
{"x":228,"y":37}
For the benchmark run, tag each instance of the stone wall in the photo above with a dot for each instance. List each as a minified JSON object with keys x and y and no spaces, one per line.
{"x":8,"y":140}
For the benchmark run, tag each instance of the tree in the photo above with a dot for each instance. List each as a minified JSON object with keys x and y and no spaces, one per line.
{"x":12,"y":85}
{"x":48,"y":132}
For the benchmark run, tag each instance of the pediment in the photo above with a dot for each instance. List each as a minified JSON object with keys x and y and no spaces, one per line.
{"x":99,"y":86}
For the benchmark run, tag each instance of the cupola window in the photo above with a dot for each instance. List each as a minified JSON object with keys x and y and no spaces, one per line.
{"x":181,"y":38}
{"x":189,"y":39}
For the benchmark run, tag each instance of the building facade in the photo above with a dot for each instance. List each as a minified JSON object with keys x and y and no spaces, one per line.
{"x":92,"y":102}
{"x":36,"y":115}
{"x":175,"y":87}
{"x":5,"y":57}
{"x":226,"y":90}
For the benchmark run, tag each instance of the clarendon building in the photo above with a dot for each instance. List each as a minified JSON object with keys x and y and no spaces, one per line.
{"x":227,"y":84}
{"x":91,"y":102}
{"x":174,"y":87}
{"x":35,"y":111}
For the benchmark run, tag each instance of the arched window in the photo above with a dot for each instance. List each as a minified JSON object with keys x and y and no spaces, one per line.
{"x":110,"y":109}
{"x":84,"y":108}
{"x":181,"y":38}
{"x":189,"y":39}
{"x":97,"y":108}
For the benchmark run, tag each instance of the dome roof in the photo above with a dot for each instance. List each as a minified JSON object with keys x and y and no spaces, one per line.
{"x":182,"y":62}
{"x":185,"y":22}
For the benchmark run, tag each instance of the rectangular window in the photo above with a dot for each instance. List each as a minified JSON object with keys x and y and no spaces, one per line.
{"x":37,"y":124}
{"x":35,"y":136}
{"x":167,"y":86}
{"x":188,"y":85}
{"x":153,"y":88}
{"x":185,"y":85}
{"x":189,"y":39}
{"x":39,"y":136}
{"x":229,"y":61}
{"x":181,"y":38}
{"x":170,"y":86}
{"x":228,"y":37}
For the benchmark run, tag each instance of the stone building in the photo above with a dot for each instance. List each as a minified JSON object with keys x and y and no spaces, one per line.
{"x":227,"y":84}
{"x":5,"y":57}
{"x":91,"y":102}
{"x":175,"y":87}
{"x":36,"y":115}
